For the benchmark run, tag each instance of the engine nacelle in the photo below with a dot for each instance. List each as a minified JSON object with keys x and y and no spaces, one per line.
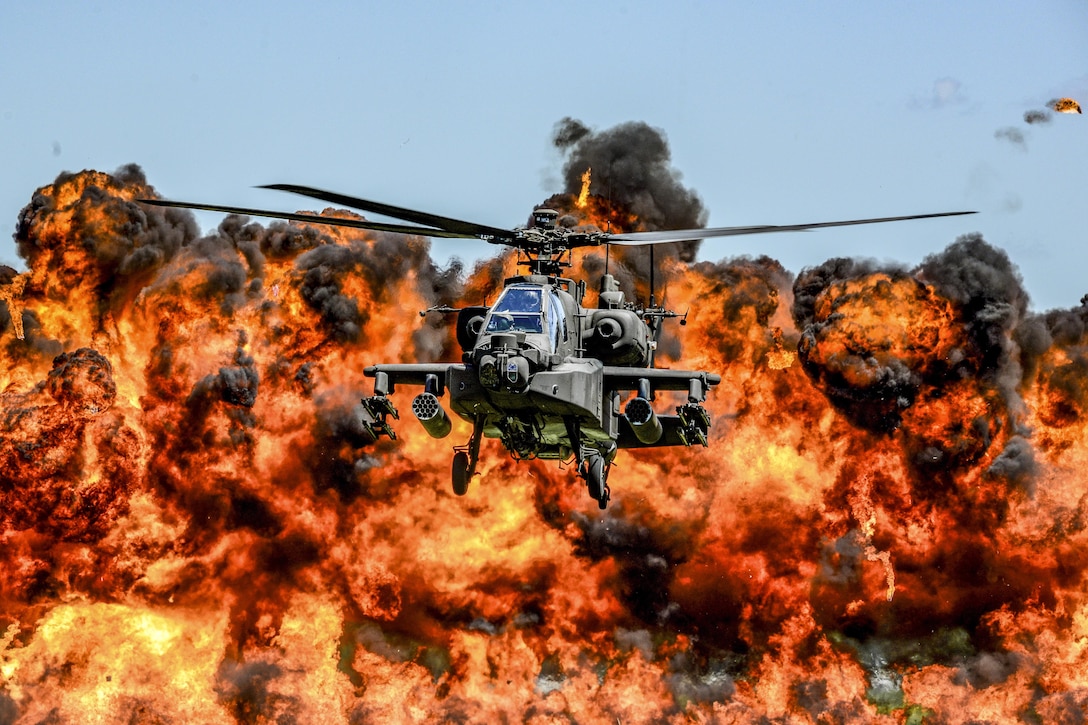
{"x":432,"y":415}
{"x":644,"y":421}
{"x":617,"y":337}
{"x":470,"y":322}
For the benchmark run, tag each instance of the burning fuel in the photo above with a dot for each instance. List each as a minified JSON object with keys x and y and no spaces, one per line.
{"x":890,"y":523}
{"x":1065,"y":105}
{"x":583,"y":194}
{"x":11,"y":291}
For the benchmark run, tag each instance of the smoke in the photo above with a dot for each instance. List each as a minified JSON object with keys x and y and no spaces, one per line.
{"x":631,"y":170}
{"x":1016,"y":464}
{"x":870,"y":372}
{"x":197,"y":529}
{"x":944,"y":93}
{"x":322,"y":270}
{"x":119,"y":242}
{"x":1013,"y":135}
{"x":970,"y":284}
{"x":1036,"y":117}
{"x":990,"y":302}
{"x":932,"y":360}
{"x":1061,"y":367}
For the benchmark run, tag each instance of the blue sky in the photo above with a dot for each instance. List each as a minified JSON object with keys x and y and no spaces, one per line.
{"x":776,"y":113}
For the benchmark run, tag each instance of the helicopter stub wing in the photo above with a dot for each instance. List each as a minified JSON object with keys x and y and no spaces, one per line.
{"x":690,"y":235}
{"x":409,"y":374}
{"x":375,"y":410}
{"x":649,"y":429}
{"x":625,"y":378}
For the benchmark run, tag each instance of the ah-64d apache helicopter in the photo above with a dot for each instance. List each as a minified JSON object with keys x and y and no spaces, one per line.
{"x":539,"y":371}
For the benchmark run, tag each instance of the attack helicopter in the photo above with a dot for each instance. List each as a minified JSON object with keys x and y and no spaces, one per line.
{"x":540,"y":372}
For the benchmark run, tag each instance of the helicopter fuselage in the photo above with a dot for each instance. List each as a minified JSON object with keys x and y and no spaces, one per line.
{"x":547,"y":376}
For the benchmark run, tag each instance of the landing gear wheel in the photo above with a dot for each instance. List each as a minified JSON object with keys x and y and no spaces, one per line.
{"x":595,"y":477}
{"x":461,"y":473}
{"x":466,"y":458}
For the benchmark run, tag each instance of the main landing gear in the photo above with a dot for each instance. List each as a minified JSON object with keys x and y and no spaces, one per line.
{"x":593,"y":465}
{"x":466,"y":458}
{"x":594,"y":469}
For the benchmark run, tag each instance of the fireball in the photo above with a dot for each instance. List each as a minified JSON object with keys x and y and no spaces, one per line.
{"x":196,"y":529}
{"x":1065,"y":105}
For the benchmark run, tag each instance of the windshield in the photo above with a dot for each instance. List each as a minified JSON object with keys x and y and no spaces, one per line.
{"x":557,"y":321}
{"x":519,"y":309}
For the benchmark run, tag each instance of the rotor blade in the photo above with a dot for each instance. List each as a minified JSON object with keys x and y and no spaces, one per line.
{"x":397,"y":212}
{"x":688,"y":235}
{"x":313,"y":219}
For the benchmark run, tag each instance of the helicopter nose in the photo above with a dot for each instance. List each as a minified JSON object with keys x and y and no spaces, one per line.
{"x":489,"y":372}
{"x":504,"y":371}
{"x":517,"y":373}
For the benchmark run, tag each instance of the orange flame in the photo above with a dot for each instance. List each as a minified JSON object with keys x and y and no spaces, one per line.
{"x":778,"y":358}
{"x":10,"y":295}
{"x":1065,"y":105}
{"x":583,"y":195}
{"x":194,"y":530}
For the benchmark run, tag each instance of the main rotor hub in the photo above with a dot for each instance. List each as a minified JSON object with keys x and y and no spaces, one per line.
{"x":544,"y":248}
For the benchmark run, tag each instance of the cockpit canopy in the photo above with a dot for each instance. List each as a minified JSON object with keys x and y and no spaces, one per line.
{"x":531,"y":309}
{"x":518,"y":309}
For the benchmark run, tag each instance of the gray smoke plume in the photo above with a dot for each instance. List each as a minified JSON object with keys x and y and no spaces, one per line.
{"x":1013,"y":135}
{"x":1035,"y":116}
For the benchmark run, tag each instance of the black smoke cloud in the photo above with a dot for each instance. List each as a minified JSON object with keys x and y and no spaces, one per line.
{"x":989,"y":294}
{"x":947,"y":381}
{"x":990,"y":313}
{"x":1035,"y":116}
{"x":632,"y":167}
{"x":120,"y":237}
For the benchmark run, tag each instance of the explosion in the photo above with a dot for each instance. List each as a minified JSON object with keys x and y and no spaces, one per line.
{"x":1065,"y":105}
{"x":1037,"y":117}
{"x":10,"y":294}
{"x":889,"y":524}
